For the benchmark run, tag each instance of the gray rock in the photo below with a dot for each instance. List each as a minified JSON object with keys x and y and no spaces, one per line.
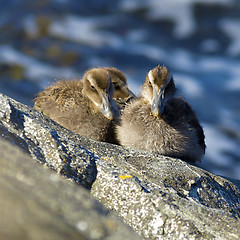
{"x":159,"y":197}
{"x":46,"y":141}
{"x":37,"y":203}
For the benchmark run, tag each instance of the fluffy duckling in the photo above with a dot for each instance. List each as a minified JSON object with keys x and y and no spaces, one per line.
{"x":85,"y":107}
{"x":160,"y":123}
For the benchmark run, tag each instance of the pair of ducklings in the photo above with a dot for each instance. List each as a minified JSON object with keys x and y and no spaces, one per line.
{"x":156,"y":121}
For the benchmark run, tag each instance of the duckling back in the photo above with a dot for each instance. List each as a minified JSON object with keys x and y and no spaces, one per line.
{"x":65,"y":103}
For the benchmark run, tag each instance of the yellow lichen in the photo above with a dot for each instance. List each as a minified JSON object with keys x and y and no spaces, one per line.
{"x":104,"y":159}
{"x":123,"y":177}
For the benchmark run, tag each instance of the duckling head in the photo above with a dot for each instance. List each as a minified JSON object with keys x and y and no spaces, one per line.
{"x":158,"y":88}
{"x":121,"y":90}
{"x":99,"y":89}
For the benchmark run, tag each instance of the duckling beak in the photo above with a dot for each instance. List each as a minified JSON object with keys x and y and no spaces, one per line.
{"x":157,"y":106}
{"x":131,"y":94}
{"x":105,"y":108}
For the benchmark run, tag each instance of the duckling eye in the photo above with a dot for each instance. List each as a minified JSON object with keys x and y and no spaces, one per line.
{"x":114,"y":84}
{"x":93,"y":88}
{"x":149,"y":82}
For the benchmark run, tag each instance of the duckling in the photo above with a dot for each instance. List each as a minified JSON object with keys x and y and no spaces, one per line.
{"x":85,"y":107}
{"x":161,"y":123}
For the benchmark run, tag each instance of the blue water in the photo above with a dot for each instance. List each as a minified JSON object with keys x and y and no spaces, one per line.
{"x":198,"y":41}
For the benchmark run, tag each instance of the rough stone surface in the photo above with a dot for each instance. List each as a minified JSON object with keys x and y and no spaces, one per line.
{"x":37,"y":203}
{"x":159,"y":197}
{"x":44,"y":140}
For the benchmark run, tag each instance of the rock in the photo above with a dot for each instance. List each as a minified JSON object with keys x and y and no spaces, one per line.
{"x":44,"y":140}
{"x":158,"y":196}
{"x":37,"y":203}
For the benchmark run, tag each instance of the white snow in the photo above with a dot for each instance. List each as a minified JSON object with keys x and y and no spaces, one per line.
{"x":34,"y":68}
{"x":218,"y":143}
{"x":85,"y":30}
{"x":188,"y":85}
{"x":180,"y":12}
{"x":231,"y":28}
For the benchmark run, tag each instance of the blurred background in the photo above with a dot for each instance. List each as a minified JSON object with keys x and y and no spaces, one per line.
{"x":198,"y":40}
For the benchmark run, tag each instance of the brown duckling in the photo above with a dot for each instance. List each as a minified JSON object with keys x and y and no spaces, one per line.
{"x":160,"y":123}
{"x":85,"y":107}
